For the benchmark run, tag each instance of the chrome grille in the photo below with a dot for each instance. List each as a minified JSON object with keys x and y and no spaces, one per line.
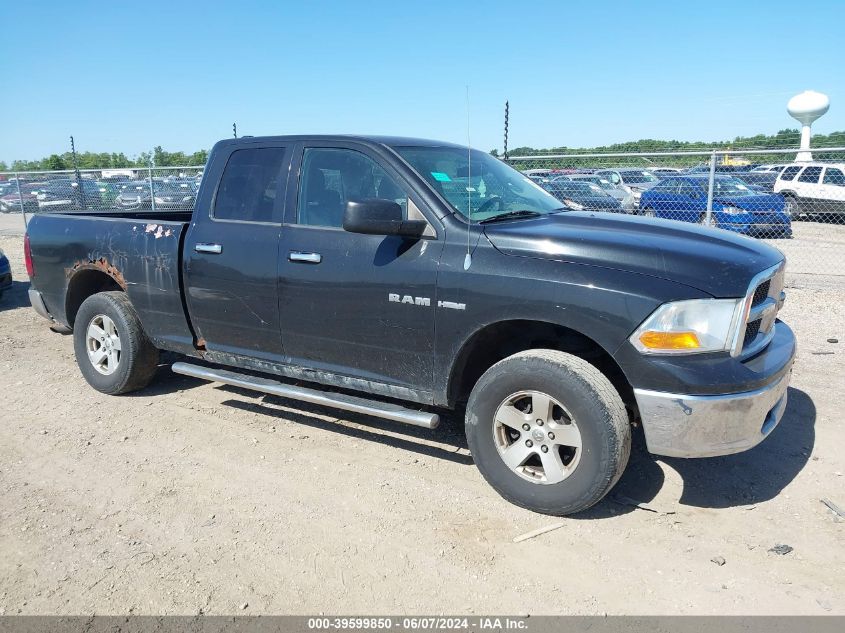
{"x":763,"y":301}
{"x":761,"y":293}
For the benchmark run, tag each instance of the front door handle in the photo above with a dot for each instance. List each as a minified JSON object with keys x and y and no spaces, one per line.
{"x":214,"y":249}
{"x":308,"y":258}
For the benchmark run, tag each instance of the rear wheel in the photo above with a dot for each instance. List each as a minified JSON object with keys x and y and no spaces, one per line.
{"x":112,"y":351}
{"x":548,"y":431}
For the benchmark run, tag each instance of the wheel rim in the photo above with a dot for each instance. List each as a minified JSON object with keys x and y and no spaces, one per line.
{"x":102,"y":342}
{"x":649,"y":213}
{"x":536,"y":437}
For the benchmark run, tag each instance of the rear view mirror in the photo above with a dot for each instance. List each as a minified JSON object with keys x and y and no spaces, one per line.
{"x":376,"y":216}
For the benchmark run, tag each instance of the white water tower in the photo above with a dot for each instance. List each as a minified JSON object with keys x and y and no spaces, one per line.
{"x":806,"y":108}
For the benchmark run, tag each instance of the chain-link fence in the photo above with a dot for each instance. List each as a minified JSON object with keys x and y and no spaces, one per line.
{"x":129,"y":189}
{"x":798,"y":207}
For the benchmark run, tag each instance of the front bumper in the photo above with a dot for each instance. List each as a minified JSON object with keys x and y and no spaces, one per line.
{"x":682,"y":425}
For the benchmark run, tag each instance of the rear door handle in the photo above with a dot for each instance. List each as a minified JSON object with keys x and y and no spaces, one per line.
{"x":214,"y":249}
{"x":308,"y":258}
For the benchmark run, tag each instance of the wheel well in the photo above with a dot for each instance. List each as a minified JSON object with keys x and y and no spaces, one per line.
{"x":500,"y":340}
{"x":82,"y":285}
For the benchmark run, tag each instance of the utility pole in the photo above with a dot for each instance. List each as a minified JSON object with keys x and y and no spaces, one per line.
{"x":235,"y":130}
{"x":507,"y":107}
{"x":80,"y":193}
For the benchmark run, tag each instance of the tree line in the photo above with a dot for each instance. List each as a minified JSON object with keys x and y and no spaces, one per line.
{"x":787,"y":138}
{"x":108,"y":160}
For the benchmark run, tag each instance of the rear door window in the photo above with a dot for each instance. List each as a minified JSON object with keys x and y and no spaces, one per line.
{"x":249,"y":185}
{"x":833,"y":176}
{"x":810,"y":174}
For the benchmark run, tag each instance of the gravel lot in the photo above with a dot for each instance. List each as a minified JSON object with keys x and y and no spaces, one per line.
{"x":191,"y":497}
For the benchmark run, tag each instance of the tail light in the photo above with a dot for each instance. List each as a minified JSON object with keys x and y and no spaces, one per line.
{"x":27,"y":257}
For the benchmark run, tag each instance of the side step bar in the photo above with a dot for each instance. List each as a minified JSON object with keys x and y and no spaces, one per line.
{"x":375,"y":408}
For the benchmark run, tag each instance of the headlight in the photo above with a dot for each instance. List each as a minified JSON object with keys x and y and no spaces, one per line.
{"x":690,"y":327}
{"x":732,"y":210}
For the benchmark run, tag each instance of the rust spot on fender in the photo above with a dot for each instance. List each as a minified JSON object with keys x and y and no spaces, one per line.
{"x":101,"y":264}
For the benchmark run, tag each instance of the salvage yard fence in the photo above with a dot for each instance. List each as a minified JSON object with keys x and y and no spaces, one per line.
{"x":797,"y":206}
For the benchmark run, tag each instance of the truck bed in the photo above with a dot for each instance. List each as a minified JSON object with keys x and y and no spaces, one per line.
{"x":140,"y":251}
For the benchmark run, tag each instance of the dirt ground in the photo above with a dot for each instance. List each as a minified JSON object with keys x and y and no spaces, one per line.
{"x":191,"y":497}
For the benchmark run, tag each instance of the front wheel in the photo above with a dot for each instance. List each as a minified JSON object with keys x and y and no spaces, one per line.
{"x":548,"y":431}
{"x":112,"y":351}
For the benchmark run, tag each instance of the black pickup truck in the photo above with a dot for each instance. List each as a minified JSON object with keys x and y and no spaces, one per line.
{"x":398,"y":277}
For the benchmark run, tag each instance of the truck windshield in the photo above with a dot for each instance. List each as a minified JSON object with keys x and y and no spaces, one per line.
{"x":491,"y":189}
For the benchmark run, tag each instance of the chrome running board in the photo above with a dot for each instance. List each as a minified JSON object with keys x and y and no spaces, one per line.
{"x":355,"y":404}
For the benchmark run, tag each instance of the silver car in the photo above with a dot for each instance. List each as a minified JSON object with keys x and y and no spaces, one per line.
{"x":632,"y":180}
{"x":625,"y":198}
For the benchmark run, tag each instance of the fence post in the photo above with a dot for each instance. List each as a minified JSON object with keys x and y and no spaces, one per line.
{"x":710,"y":182}
{"x":20,"y":199}
{"x":152,"y":191}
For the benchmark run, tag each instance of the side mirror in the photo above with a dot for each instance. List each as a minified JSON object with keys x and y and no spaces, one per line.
{"x":375,"y":216}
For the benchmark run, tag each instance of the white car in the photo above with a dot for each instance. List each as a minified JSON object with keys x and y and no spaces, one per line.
{"x":813,"y":188}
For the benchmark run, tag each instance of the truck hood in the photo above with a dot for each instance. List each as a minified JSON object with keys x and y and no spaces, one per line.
{"x":717,"y":262}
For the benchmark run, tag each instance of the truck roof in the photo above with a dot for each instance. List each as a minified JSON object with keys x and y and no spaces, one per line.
{"x":389,"y":141}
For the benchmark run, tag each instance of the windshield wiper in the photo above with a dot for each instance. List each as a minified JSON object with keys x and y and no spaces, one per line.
{"x":522,"y":213}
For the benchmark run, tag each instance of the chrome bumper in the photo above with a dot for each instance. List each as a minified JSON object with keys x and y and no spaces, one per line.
{"x":38,"y":304}
{"x":705,"y":426}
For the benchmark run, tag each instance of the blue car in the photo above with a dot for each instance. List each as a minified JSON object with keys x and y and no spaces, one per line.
{"x":5,"y":273}
{"x":736,"y":206}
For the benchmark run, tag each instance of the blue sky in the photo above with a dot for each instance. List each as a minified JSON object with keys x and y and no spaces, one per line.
{"x":126,"y":76}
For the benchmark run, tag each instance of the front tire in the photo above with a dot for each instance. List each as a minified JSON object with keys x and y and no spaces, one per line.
{"x":112,"y":351}
{"x":548,"y":431}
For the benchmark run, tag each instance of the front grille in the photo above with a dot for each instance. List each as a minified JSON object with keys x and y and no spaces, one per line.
{"x":761,"y":293}
{"x":751,"y":331}
{"x":760,"y":328}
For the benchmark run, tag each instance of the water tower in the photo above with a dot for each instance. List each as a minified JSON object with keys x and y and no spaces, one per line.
{"x":806,"y":108}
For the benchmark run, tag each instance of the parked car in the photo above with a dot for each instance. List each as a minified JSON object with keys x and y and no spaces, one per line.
{"x":134,"y":195}
{"x":555,"y":330}
{"x":632,"y":180}
{"x":759,"y":180}
{"x":10,"y":201}
{"x":61,"y":194}
{"x":169,"y":194}
{"x":664,"y":172}
{"x":813,"y":189}
{"x":583,"y":196}
{"x":174,"y":195}
{"x":770,"y":168}
{"x":625,"y":199}
{"x":5,"y":273}
{"x":736,"y":207}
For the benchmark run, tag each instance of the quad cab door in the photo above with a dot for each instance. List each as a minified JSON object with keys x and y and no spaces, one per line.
{"x":231,"y":250}
{"x":356,"y":305}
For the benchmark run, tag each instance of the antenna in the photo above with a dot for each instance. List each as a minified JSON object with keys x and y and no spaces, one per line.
{"x":468,"y":257}
{"x":235,"y":130}
{"x":506,"y":130}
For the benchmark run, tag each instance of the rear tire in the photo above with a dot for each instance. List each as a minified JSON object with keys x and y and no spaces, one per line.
{"x":570,"y":461}
{"x":112,"y":351}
